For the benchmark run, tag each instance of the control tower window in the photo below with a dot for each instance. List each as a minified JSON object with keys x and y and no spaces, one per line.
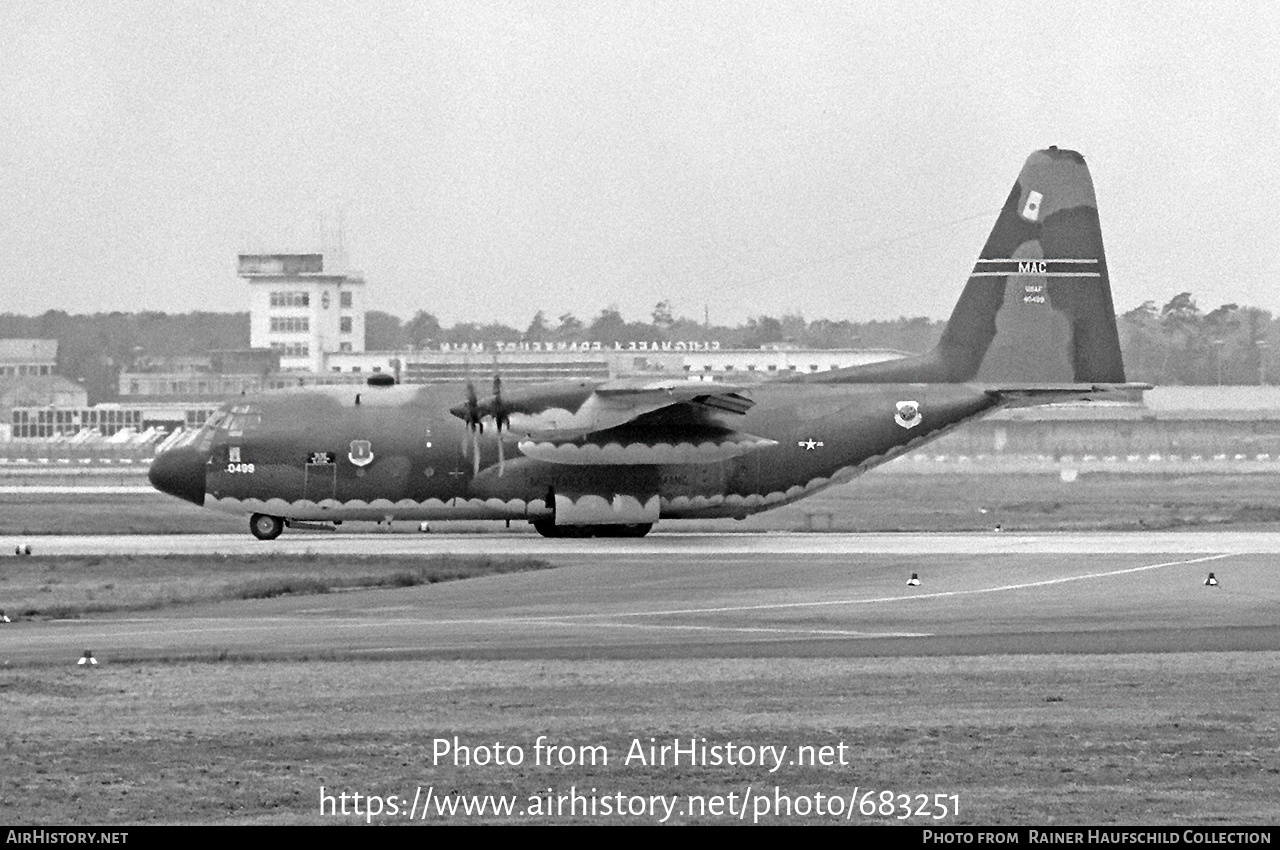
{"x":290,"y":299}
{"x":290,"y":324}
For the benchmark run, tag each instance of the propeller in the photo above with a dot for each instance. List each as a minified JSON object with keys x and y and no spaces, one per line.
{"x":473,"y":413}
{"x":501,"y":417}
{"x":475,"y":424}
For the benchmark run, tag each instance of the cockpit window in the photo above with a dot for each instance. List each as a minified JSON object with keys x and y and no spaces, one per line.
{"x":242,"y":418}
{"x":231,"y":421}
{"x":209,"y":430}
{"x":215,"y":420}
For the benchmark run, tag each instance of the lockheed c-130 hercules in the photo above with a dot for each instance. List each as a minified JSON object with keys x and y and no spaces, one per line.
{"x":1035,"y":324}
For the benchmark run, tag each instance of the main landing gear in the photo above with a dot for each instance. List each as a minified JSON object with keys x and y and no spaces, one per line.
{"x":548,"y":528}
{"x":266,"y":527}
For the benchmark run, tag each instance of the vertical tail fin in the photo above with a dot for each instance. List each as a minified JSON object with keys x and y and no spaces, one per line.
{"x":1037,"y":307}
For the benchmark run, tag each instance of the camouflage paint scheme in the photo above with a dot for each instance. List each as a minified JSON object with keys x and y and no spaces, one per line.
{"x":1034,"y":324}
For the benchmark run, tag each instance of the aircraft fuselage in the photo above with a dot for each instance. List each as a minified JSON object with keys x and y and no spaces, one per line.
{"x":400,"y":454}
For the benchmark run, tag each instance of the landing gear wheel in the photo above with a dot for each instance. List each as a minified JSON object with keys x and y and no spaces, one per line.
{"x":266,"y":527}
{"x":637,"y":530}
{"x":546,"y":527}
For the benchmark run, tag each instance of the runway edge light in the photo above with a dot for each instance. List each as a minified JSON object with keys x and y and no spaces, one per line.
{"x":87,"y":660}
{"x":914,"y":581}
{"x":1211,"y":581}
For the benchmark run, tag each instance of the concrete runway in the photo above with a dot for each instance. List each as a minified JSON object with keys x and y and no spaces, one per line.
{"x":659,"y":545}
{"x":697,"y":595}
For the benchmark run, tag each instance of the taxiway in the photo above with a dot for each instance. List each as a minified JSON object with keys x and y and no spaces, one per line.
{"x":674,"y":595}
{"x":659,"y":545}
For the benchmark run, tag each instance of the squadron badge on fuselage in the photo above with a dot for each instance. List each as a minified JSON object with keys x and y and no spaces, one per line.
{"x":361,"y":453}
{"x":908,"y":415}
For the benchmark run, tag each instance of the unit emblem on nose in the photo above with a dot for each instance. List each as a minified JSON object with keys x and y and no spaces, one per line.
{"x":361,"y":453}
{"x":908,"y":415}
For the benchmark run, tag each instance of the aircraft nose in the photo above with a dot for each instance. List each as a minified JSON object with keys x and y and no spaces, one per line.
{"x":179,"y":472}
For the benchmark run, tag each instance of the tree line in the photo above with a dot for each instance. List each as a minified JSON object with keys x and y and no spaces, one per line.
{"x":1179,"y":344}
{"x":385,"y":332}
{"x":1176,"y":343}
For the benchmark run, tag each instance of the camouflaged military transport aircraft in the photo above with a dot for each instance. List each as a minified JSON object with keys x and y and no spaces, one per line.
{"x":1035,"y":324}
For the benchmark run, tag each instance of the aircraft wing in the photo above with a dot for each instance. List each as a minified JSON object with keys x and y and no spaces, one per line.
{"x":723,"y":397}
{"x":681,"y":432}
{"x":581,"y":406}
{"x":624,"y":422}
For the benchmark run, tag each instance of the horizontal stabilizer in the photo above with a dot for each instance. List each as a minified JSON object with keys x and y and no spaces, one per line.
{"x":1049,"y":393}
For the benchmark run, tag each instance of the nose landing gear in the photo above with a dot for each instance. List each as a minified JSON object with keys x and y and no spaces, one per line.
{"x":266,"y":527}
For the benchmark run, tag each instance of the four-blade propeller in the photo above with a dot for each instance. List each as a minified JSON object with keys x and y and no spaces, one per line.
{"x":473,"y":413}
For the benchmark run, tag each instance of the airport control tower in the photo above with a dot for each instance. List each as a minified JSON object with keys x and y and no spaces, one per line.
{"x":299,"y":309}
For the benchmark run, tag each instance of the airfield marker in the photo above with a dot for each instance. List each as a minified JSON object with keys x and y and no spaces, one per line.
{"x":87,"y":659}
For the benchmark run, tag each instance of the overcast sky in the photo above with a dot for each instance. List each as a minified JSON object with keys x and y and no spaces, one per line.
{"x":487,"y":159}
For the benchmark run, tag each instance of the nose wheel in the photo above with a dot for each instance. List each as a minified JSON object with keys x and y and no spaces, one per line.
{"x":266,"y":527}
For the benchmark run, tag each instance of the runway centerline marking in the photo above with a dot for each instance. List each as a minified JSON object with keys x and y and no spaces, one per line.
{"x":771,"y":630}
{"x":570,"y":620}
{"x":773,"y":606}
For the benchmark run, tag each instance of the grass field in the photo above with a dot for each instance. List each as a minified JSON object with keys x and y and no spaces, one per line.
{"x":55,"y":587}
{"x":1049,"y":740}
